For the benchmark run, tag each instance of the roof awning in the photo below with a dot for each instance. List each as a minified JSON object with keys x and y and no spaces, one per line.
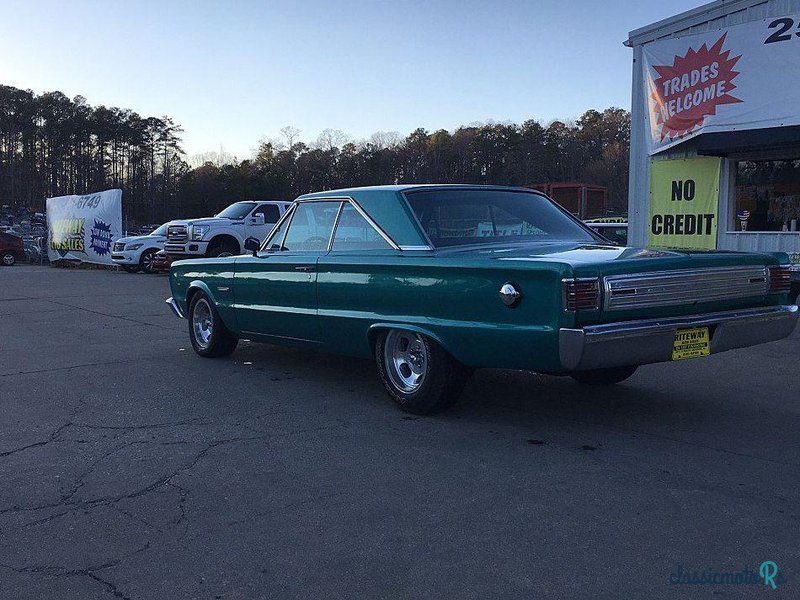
{"x":773,"y":142}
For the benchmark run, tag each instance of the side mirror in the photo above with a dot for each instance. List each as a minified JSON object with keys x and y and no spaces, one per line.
{"x":257,"y":219}
{"x":252,"y":244}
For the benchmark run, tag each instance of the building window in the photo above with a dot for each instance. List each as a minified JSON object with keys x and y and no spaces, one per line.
{"x":767,"y":195}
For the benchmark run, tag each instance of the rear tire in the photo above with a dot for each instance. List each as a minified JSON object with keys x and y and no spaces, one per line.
{"x":418,"y":374}
{"x":608,"y":376}
{"x":210,"y":338}
{"x":8,"y":259}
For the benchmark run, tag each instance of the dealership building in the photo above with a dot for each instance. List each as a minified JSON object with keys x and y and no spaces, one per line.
{"x":715,"y":129}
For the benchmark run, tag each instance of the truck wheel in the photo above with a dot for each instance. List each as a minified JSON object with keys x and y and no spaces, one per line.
{"x":603,"y":376}
{"x":146,"y":261}
{"x":794,"y":293}
{"x":221,"y":249}
{"x":418,"y":374}
{"x":8,"y":259}
{"x":209,"y":336}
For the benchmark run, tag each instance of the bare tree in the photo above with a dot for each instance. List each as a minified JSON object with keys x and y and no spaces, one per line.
{"x":291,"y":135}
{"x":385,"y":139}
{"x":329,"y":139}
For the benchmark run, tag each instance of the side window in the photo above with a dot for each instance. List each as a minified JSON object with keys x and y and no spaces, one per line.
{"x":311,"y":226}
{"x":270,"y":212}
{"x":354,"y":233}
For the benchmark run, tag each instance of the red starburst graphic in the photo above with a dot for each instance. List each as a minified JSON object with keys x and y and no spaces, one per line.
{"x":690,"y":89}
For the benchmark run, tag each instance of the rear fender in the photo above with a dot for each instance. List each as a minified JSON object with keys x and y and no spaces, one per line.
{"x":375,"y":329}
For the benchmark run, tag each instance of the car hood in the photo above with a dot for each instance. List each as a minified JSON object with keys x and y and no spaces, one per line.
{"x":589,"y":259}
{"x":140,"y":238}
{"x":213,"y":221}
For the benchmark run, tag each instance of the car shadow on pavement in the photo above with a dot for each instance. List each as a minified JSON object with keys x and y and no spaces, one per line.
{"x":491,"y":395}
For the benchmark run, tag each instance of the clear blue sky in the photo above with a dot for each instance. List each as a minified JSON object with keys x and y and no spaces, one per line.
{"x":233,"y":72}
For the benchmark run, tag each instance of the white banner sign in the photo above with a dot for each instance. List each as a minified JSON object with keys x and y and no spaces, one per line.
{"x":743,"y":77}
{"x":84,"y":227}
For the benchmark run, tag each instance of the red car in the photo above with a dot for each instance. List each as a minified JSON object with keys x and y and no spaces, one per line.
{"x":161,"y":261}
{"x":11,"y":249}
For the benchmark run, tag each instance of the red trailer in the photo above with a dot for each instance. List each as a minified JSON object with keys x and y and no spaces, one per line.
{"x":584,"y":200}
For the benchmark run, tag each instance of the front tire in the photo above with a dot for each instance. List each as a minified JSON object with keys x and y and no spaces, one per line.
{"x":210,"y":338}
{"x":794,"y":293}
{"x":608,"y":376}
{"x":8,"y":259}
{"x":146,"y":261}
{"x":223,"y":249}
{"x":418,"y":374}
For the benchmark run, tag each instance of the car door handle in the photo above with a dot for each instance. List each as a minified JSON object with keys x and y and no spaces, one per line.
{"x":305,"y":268}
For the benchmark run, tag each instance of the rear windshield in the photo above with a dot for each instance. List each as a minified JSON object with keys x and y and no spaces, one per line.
{"x":473,"y":216}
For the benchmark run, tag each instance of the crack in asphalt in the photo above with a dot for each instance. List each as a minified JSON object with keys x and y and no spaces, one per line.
{"x":102,"y":314}
{"x":89,"y":572}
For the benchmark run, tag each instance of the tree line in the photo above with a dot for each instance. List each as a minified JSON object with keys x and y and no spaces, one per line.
{"x":51,"y":145}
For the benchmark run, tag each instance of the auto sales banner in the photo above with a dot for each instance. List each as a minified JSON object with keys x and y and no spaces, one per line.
{"x":684,"y":203}
{"x":742,"y":77}
{"x":84,"y":228}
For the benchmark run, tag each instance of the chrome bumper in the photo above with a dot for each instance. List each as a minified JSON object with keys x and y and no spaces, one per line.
{"x":652,"y":340}
{"x":175,"y":308}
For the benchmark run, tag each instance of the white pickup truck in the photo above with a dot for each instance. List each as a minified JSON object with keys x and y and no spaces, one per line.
{"x":225,"y":233}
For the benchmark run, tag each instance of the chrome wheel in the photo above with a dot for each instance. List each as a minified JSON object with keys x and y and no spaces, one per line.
{"x":406,"y":360}
{"x":147,"y":262}
{"x":202,"y":323}
{"x":8,"y":259}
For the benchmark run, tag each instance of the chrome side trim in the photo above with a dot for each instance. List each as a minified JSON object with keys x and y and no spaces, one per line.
{"x":681,"y":287}
{"x":652,"y":340}
{"x":175,"y":308}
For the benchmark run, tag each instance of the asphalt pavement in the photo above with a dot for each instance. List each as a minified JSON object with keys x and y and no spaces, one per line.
{"x":132,"y":468}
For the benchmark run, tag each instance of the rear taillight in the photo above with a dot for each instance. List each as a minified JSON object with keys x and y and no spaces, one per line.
{"x":581,"y":294}
{"x":780,"y":279}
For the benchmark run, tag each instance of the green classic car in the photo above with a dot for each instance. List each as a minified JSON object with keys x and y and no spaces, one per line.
{"x":434,"y":281}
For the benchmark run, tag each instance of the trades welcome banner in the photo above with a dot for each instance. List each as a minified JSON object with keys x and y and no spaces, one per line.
{"x":741,"y":77}
{"x":84,"y":228}
{"x":684,"y":203}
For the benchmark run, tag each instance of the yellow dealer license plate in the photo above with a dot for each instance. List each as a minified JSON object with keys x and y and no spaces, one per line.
{"x":691,"y":343}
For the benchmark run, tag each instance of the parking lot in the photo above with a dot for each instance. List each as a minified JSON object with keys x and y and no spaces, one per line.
{"x":132,"y":468}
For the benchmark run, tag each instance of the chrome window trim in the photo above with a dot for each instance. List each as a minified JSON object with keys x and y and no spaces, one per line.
{"x":375,"y":226}
{"x":335,"y":225}
{"x":310,"y":201}
{"x":286,"y":214}
{"x":414,"y":216}
{"x":342,"y":200}
{"x":416,"y":248}
{"x":360,"y":211}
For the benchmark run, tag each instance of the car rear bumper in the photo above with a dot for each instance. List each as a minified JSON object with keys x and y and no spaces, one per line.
{"x":176,"y":309}
{"x":652,"y":340}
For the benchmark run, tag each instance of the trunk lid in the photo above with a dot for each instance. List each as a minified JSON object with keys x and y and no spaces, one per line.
{"x":638,"y":283}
